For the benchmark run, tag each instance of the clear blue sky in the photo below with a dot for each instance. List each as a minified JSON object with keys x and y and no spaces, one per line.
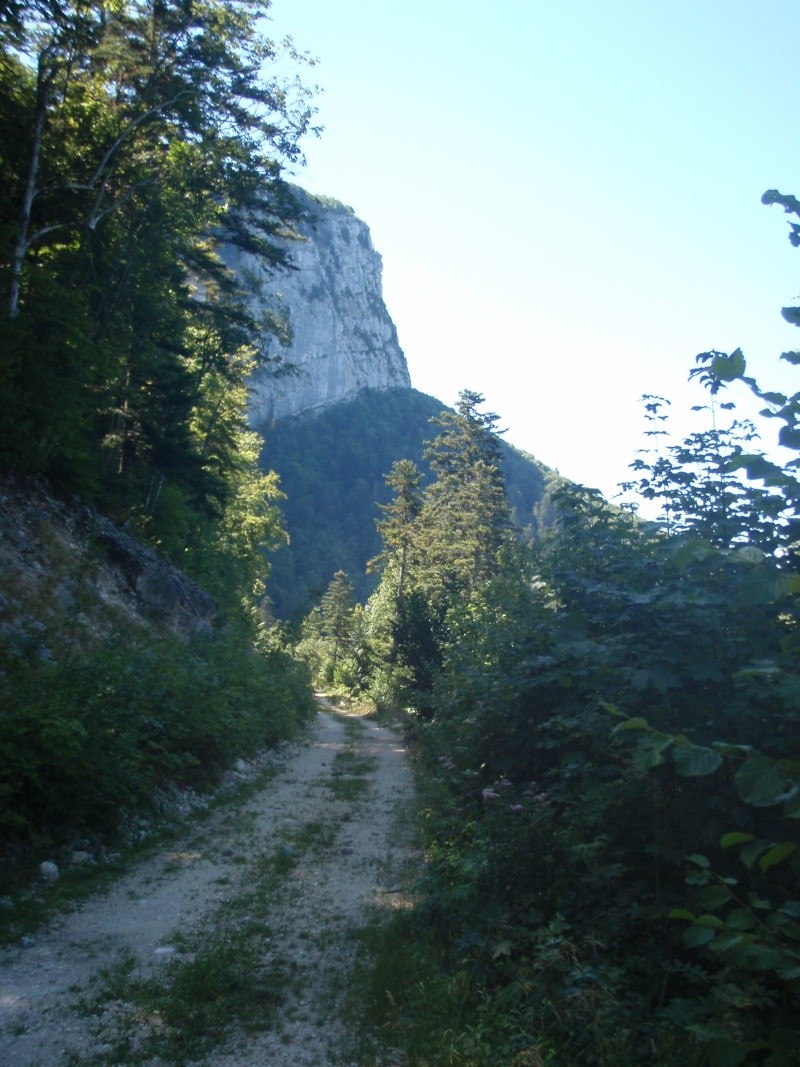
{"x":566,"y":196}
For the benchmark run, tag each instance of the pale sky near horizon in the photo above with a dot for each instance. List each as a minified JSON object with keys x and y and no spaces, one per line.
{"x":566,"y":197}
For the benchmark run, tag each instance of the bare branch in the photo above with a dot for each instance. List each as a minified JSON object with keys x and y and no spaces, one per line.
{"x":98,"y":216}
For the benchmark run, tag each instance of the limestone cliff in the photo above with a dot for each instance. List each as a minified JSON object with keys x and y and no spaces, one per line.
{"x":342,"y":338}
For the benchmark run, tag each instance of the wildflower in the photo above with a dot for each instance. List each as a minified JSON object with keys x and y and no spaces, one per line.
{"x":489,"y":794}
{"x":516,"y":808}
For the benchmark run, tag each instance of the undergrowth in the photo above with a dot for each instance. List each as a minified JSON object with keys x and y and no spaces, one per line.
{"x":450,"y":980}
{"x":88,"y":743}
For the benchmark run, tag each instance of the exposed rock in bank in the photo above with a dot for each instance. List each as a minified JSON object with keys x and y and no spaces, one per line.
{"x":161,"y":590}
{"x":68,"y":575}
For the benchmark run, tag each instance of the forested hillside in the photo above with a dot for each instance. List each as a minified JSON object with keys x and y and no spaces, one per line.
{"x":332,"y":467}
{"x":134,"y":140}
{"x":607,"y":725}
{"x":605,"y":716}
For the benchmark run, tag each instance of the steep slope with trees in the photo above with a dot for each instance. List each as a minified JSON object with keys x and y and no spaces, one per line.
{"x":138,"y":139}
{"x":607,"y":724}
{"x":332,"y":467}
{"x":135,"y":139}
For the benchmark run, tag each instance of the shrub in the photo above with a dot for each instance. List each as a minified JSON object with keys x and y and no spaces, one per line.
{"x":86,"y":742}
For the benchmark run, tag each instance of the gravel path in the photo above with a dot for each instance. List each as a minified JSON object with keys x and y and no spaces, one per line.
{"x":335,"y":816}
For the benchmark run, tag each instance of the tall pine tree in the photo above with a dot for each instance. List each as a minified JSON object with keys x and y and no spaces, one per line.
{"x":465,"y":518}
{"x":398,"y":527}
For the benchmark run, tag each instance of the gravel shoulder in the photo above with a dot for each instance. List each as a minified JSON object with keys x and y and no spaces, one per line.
{"x":292,"y":872}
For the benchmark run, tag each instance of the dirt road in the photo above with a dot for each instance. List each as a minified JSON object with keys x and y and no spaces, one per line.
{"x":234,"y":946}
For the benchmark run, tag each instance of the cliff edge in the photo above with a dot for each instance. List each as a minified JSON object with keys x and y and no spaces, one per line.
{"x":342,"y":338}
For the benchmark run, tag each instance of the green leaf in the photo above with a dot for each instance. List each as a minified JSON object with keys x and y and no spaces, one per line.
{"x":728,"y":368}
{"x":740,"y":919}
{"x":694,"y":761}
{"x":710,"y":920}
{"x":697,"y":858}
{"x":736,"y":837}
{"x":756,"y":957}
{"x":502,"y":948}
{"x":708,"y":1032}
{"x":761,"y":782}
{"x":723,"y":1052}
{"x":776,"y":398}
{"x":637,"y":723}
{"x":681,"y":913}
{"x":696,"y":936}
{"x":725,"y":748}
{"x":737,"y":463}
{"x":649,"y":751}
{"x":714,"y":896}
{"x":747,"y":554}
{"x":612,"y":709}
{"x":691,"y":551}
{"x":776,"y":854}
{"x":750,"y":853}
{"x":789,"y":436}
{"x":764,"y":669}
{"x":698,"y":877}
{"x":727,"y":940}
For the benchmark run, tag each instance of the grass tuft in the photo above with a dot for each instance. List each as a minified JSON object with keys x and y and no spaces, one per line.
{"x":350,"y":779}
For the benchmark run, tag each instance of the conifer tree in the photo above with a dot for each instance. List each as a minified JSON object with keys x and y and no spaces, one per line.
{"x":465,"y":518}
{"x":336,"y":608}
{"x":398,"y":528}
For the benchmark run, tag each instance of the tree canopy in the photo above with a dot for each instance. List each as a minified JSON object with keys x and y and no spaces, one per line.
{"x":141,"y":136}
{"x":607,"y":720}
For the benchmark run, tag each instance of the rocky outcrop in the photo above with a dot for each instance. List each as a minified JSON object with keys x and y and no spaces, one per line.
{"x":342,"y":338}
{"x":162,"y":592}
{"x":69,"y":576}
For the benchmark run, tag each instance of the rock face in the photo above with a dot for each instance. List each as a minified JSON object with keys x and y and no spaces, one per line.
{"x":342,"y":338}
{"x":161,"y":592}
{"x":69,"y":577}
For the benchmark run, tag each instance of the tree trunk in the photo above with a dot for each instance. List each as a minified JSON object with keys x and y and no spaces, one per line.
{"x":44,"y":79}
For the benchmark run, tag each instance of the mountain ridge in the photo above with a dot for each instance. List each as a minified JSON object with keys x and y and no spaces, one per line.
{"x":335,"y":404}
{"x":332,"y":466}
